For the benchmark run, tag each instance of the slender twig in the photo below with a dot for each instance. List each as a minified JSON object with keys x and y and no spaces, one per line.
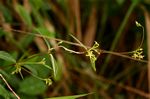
{"x":9,"y":86}
{"x":142,"y":36}
{"x":79,"y":44}
{"x":39,"y":35}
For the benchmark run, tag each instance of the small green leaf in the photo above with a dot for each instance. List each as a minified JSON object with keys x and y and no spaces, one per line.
{"x":70,"y":97}
{"x":7,"y":57}
{"x":56,"y":68}
{"x":4,"y":92}
{"x":32,"y":86}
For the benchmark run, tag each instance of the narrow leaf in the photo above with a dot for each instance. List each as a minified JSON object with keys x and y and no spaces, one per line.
{"x":7,"y":57}
{"x":70,"y":97}
{"x":53,"y":65}
{"x":56,"y":68}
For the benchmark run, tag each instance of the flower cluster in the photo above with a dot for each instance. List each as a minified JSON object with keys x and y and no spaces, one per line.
{"x":18,"y":69}
{"x":137,"y":54}
{"x":48,"y":81}
{"x":91,"y":55}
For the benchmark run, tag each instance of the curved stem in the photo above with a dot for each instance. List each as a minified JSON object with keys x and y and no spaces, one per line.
{"x":118,"y":34}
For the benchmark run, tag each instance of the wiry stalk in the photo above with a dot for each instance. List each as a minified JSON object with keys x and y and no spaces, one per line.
{"x":9,"y":86}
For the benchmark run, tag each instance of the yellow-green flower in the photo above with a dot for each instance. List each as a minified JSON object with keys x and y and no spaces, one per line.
{"x":137,"y":54}
{"x":48,"y":81}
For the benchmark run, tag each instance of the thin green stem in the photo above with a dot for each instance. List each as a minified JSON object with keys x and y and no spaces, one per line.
{"x":31,"y":63}
{"x":142,"y":37}
{"x":79,"y":42}
{"x":46,"y":41}
{"x":140,"y":43}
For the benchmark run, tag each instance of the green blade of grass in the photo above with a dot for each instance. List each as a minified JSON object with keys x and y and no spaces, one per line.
{"x":70,"y":97}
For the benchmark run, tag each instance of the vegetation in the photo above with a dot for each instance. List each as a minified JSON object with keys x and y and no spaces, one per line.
{"x":67,"y":49}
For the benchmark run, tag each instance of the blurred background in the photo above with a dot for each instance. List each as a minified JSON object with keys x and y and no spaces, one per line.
{"x":109,"y":22}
